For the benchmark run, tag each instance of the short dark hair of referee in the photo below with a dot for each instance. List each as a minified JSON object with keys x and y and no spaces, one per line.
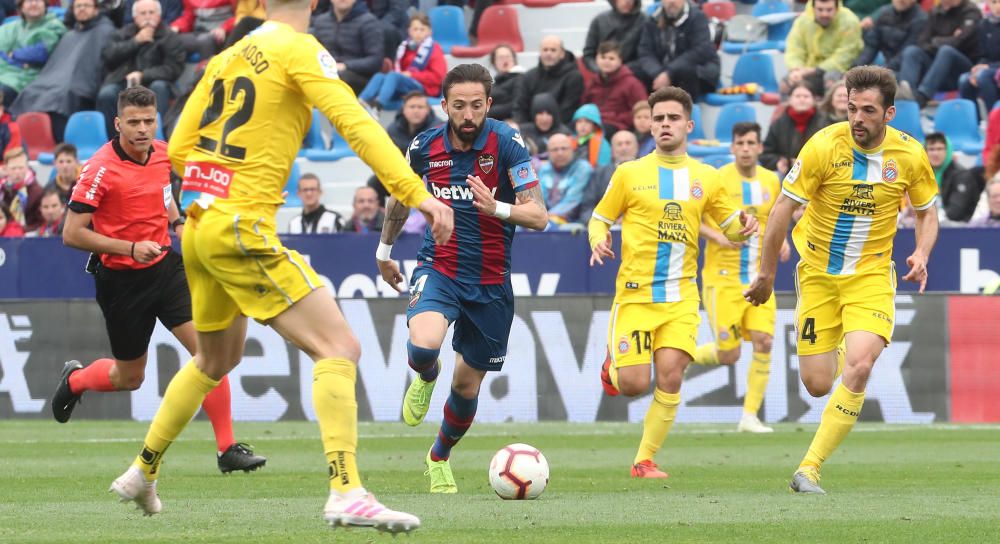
{"x":124,"y":192}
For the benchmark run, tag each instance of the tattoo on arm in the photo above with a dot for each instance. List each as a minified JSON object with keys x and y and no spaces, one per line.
{"x":396,"y":215}
{"x":533,"y":194}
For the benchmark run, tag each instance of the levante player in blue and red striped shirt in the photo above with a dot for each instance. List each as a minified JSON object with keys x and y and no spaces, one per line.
{"x":482,"y":169}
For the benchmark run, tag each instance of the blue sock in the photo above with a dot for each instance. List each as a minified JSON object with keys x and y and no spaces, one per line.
{"x":458,"y":415}
{"x":424,"y":361}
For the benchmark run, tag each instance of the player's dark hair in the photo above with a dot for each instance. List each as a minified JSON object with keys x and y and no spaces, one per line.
{"x":422,"y":17}
{"x":935,"y":138}
{"x":861,"y":78}
{"x":493,"y":54}
{"x":609,"y":46}
{"x":745,"y":127}
{"x":64,"y":148}
{"x":468,"y":73}
{"x":137,"y":96}
{"x":672,"y":94}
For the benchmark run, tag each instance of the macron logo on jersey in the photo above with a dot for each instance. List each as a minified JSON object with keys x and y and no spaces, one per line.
{"x":456,"y":192}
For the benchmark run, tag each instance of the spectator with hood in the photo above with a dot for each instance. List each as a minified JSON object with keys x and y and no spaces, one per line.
{"x":589,"y":143}
{"x":556,"y":74}
{"x":676,"y":48}
{"x":544,"y":122}
{"x":72,"y":76}
{"x":959,"y":187}
{"x":25,"y":46}
{"x":824,"y":41}
{"x":622,"y":24}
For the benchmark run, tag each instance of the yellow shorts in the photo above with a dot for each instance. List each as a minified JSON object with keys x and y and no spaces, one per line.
{"x":635,"y":331}
{"x":236,"y":265}
{"x":732,"y":317}
{"x":830,"y":306}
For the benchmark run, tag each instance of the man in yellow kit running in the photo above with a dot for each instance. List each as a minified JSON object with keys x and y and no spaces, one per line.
{"x":663,"y":197}
{"x":730,"y":267}
{"x":853,"y":175}
{"x":235,"y":142}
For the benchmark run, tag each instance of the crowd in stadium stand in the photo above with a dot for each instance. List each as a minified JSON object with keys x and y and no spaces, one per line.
{"x":581,"y":113}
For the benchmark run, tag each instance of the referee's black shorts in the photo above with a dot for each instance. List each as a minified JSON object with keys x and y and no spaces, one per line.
{"x":132,"y":301}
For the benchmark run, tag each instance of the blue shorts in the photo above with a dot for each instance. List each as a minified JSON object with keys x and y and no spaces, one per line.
{"x":482,"y":314}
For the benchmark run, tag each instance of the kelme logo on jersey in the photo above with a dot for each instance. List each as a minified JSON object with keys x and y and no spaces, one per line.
{"x":623,"y":345}
{"x":889,"y":171}
{"x":696,"y":190}
{"x":486,"y":162}
{"x":455,"y":192}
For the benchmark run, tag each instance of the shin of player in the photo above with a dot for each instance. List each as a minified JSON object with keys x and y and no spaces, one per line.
{"x":661,"y":199}
{"x":730,"y":267}
{"x":482,"y":169}
{"x":137,"y":277}
{"x":853,"y":175}
{"x":235,"y":155}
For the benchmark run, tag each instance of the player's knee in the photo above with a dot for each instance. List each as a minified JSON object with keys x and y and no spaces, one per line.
{"x":421,"y":358}
{"x":633,"y":386}
{"x":729,"y":357}
{"x":859,"y":369}
{"x":817,"y":386}
{"x":763,"y":344}
{"x":349,"y":347}
{"x":467,"y":389}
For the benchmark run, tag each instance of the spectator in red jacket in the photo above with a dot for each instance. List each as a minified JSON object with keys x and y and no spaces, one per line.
{"x":10,"y":133}
{"x":204,"y":24}
{"x":8,"y":227}
{"x":615,"y":89}
{"x":420,"y":66}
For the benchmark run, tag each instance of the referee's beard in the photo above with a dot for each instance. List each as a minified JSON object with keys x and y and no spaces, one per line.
{"x":467,"y":137}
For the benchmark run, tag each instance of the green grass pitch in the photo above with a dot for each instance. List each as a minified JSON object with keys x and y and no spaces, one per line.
{"x":886,"y":484}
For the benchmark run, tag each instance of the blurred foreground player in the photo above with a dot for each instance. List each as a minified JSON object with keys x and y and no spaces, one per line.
{"x":482,"y":168}
{"x":853,"y":175}
{"x":235,"y":142}
{"x":731,"y":266}
{"x":124,"y":189}
{"x":662,"y":199}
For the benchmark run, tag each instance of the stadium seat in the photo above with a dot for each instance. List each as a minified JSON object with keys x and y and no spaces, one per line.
{"x":957,"y":120}
{"x":908,"y":119}
{"x":728,"y":116}
{"x":159,"y":128}
{"x":448,"y":23}
{"x":338,"y":150}
{"x":498,"y":25}
{"x":750,"y":68}
{"x":722,"y":11}
{"x":11,"y":19}
{"x":314,"y":137}
{"x":699,"y":130}
{"x":85,"y":130}
{"x":292,"y":186}
{"x":36,"y":133}
{"x":779,"y":18}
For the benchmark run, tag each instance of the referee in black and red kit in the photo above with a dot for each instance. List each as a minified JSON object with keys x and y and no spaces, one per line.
{"x":124,"y":191}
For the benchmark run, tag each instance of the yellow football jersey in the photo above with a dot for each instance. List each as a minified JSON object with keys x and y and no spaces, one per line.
{"x":854,"y":195}
{"x":755,"y":197}
{"x":663,"y":200}
{"x":245,"y":121}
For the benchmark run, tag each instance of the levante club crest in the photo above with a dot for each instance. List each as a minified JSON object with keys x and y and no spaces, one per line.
{"x":486,"y":162}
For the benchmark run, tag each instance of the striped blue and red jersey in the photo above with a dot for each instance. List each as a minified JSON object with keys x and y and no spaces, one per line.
{"x":479,"y":249}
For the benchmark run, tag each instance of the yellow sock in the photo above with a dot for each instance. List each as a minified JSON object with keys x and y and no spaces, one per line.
{"x":706,"y":354}
{"x":181,"y":401}
{"x":838,"y":419}
{"x":760,"y":369}
{"x":659,"y":419}
{"x":337,"y":413}
{"x":841,"y":357}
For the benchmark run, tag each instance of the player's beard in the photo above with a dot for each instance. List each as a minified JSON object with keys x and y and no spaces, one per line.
{"x":867,"y":141}
{"x":467,"y":137}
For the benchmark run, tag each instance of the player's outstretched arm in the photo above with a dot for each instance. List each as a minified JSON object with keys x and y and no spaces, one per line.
{"x":926,"y":231}
{"x":777,"y":226}
{"x":529,"y":211}
{"x":396,"y":215}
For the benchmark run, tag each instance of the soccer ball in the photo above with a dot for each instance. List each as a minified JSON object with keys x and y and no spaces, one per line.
{"x":519,"y":472}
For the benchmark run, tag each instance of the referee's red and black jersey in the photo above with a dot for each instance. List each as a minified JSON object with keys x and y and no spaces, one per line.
{"x":129,"y":199}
